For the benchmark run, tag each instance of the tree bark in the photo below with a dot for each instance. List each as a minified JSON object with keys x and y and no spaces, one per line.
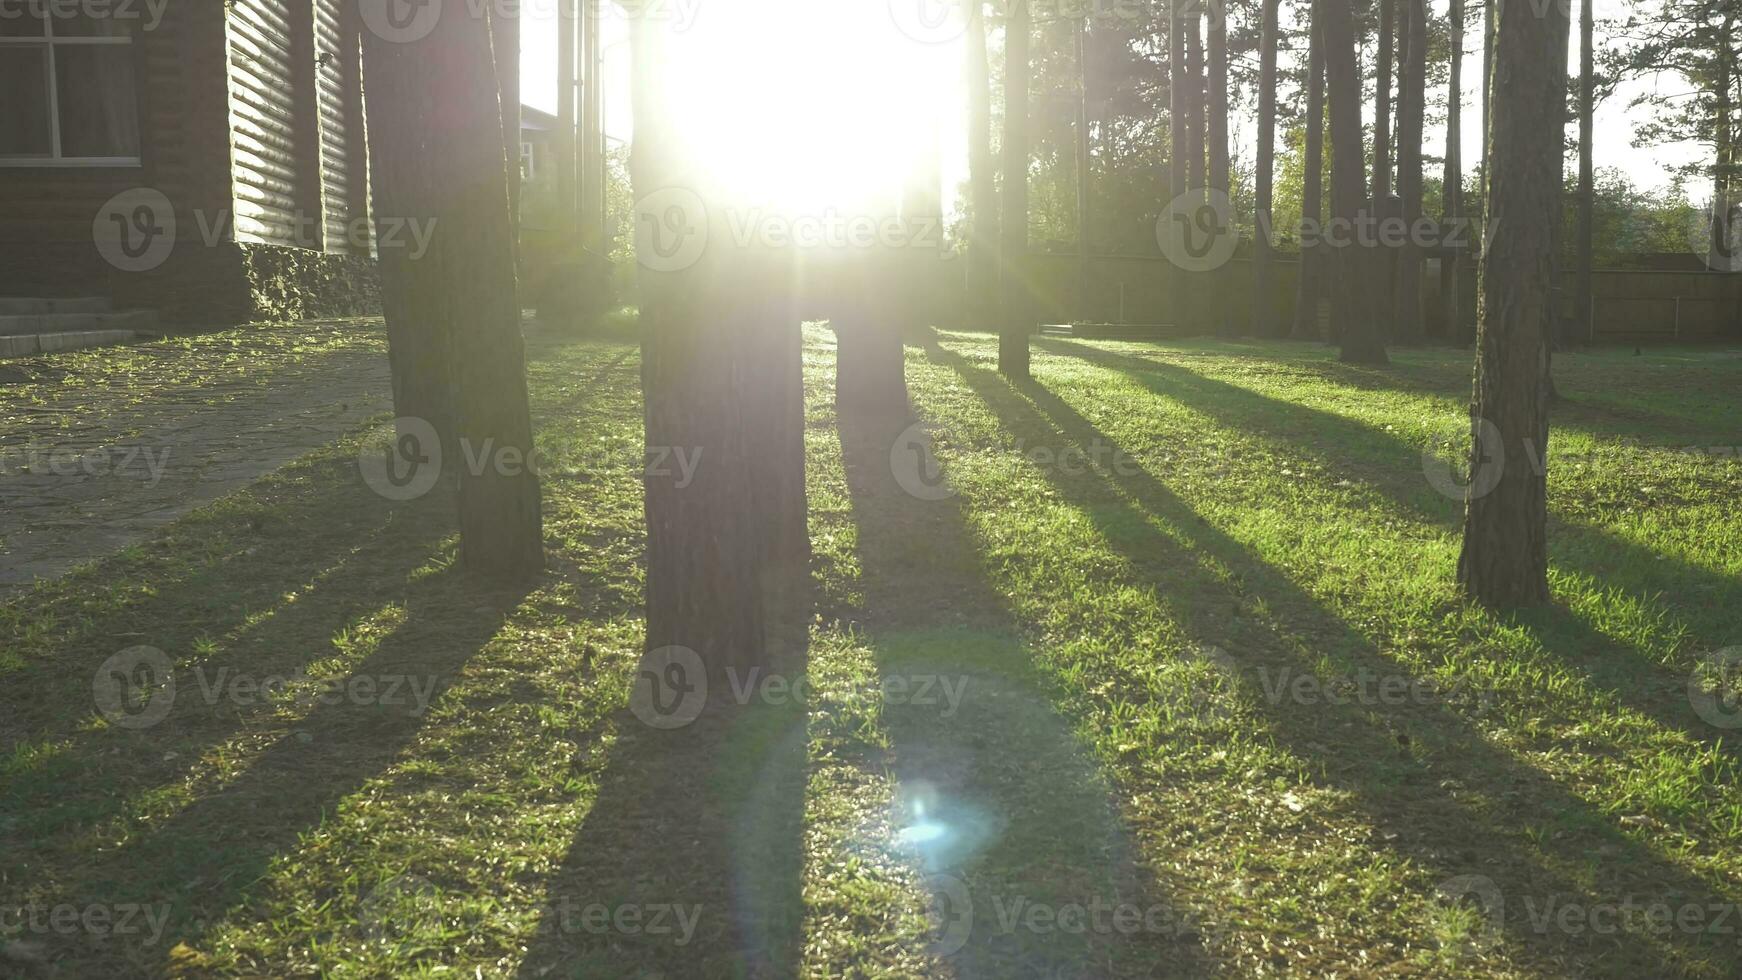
{"x":981,"y":302}
{"x":1216,"y":131}
{"x":1353,"y":298}
{"x":441,"y":92}
{"x":1451,"y":264}
{"x":1382,"y":102}
{"x":1504,"y":562}
{"x":1013,"y":226}
{"x":1085,"y":290}
{"x":869,"y":369}
{"x":1719,"y":254}
{"x":1179,"y":146}
{"x":505,"y":39}
{"x":1310,"y":286}
{"x":706,"y":561}
{"x":1263,"y":318}
{"x":1194,"y":93}
{"x":1406,"y":316}
{"x":1587,"y":171}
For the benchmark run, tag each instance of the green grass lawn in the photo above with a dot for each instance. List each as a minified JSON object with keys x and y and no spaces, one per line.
{"x":1171,"y":681}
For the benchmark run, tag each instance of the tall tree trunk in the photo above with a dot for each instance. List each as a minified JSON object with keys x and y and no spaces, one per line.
{"x":1310,"y":286}
{"x":1013,"y":226}
{"x":1195,"y":101}
{"x":1216,"y":130}
{"x":1085,"y":295}
{"x":592,"y":139}
{"x":505,"y":38}
{"x":567,"y":171}
{"x":1406,"y":318}
{"x":1587,"y":169}
{"x":706,"y":560}
{"x":441,"y":91}
{"x":869,"y":371}
{"x":1382,"y":102}
{"x":1354,"y":297}
{"x":1451,"y":264}
{"x":1263,"y":317}
{"x":1488,"y":26}
{"x":1719,"y":254}
{"x":1179,"y":147}
{"x":981,"y":302}
{"x":1504,"y":562}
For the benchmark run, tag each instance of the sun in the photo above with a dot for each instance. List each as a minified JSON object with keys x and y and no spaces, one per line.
{"x":804,"y":105}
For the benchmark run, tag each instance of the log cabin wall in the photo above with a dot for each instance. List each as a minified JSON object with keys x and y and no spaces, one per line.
{"x":250,"y":126}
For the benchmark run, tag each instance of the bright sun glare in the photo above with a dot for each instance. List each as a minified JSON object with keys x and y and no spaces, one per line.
{"x":803,"y":105}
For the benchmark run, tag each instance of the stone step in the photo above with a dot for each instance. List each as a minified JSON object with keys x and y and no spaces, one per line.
{"x":49,"y":343}
{"x":21,"y":324}
{"x":36,"y":306}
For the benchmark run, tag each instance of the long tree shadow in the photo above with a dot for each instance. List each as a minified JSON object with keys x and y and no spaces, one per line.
{"x":997,"y":801}
{"x":1656,"y":690}
{"x":1398,"y":765}
{"x":690,"y":860}
{"x":267,"y":579}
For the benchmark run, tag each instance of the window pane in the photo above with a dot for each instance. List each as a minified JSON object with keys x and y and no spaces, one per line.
{"x":24,"y":109}
{"x":20,"y":20}
{"x":97,"y":104}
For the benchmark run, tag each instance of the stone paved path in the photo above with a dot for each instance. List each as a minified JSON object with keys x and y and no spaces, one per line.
{"x":96,"y":455}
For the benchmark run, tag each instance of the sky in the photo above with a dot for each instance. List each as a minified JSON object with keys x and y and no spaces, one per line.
{"x":703,"y":22}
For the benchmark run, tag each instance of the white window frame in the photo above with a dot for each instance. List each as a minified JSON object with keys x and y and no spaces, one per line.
{"x":48,"y":40}
{"x":528,"y":160}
